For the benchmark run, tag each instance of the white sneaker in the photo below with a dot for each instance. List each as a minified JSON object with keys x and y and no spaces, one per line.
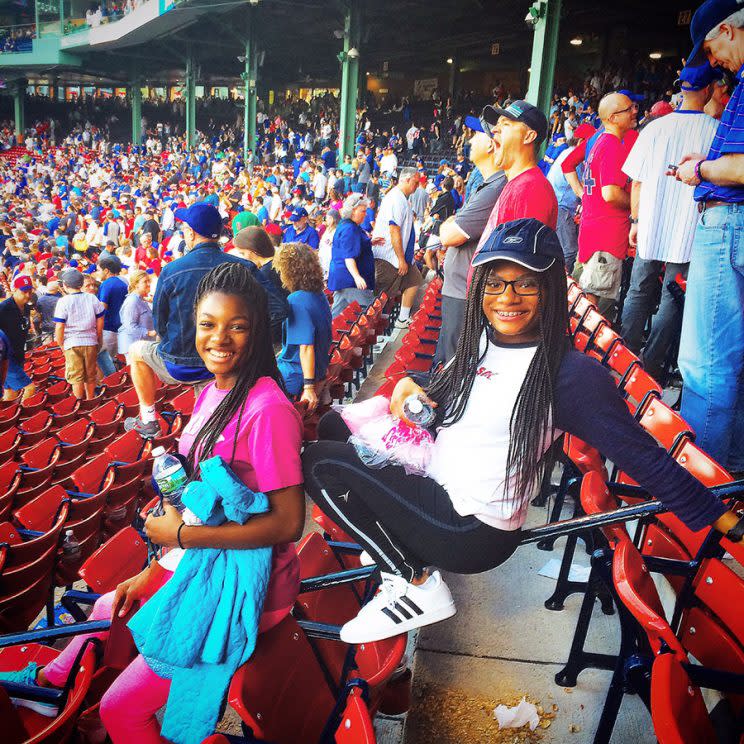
{"x":400,"y":607}
{"x":402,"y":324}
{"x":365,"y":559}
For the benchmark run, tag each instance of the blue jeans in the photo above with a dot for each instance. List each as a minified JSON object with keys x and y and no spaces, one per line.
{"x":639,"y":303}
{"x":711,"y":355}
{"x":568,"y":235}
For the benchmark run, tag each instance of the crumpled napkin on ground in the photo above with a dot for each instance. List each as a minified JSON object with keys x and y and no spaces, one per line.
{"x":517,"y":716}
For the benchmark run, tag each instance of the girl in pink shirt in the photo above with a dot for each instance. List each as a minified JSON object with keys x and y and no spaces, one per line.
{"x":245,"y":417}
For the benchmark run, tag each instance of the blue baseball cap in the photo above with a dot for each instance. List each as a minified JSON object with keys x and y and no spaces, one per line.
{"x":203,"y":219}
{"x":297,"y":214}
{"x":637,"y":97}
{"x":444,"y":161}
{"x":527,"y":242}
{"x":699,"y":77}
{"x":706,"y":18}
{"x":474,"y":123}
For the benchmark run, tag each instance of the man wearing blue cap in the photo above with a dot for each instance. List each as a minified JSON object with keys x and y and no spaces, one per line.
{"x":711,"y":356}
{"x":460,"y":234}
{"x":663,"y":216}
{"x":300,"y":231}
{"x":173,"y":359}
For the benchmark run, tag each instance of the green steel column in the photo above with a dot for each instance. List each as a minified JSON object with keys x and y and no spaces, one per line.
{"x":190,"y":102}
{"x":19,"y":108}
{"x":349,"y":78}
{"x":61,"y":16}
{"x":136,"y":95}
{"x":36,"y":19}
{"x":250,"y":77}
{"x":544,"y":52}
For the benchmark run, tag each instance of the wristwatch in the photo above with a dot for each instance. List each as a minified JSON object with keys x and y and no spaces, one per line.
{"x":736,"y":533}
{"x":634,"y":220}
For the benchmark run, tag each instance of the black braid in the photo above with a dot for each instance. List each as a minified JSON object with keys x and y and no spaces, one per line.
{"x":530,"y":426}
{"x":258,"y":359}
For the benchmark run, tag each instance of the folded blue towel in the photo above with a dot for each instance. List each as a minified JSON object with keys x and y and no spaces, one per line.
{"x":203,"y":623}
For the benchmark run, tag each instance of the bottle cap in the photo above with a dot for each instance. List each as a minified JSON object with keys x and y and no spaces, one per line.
{"x":68,"y":533}
{"x":415,"y":405}
{"x":158,"y":451}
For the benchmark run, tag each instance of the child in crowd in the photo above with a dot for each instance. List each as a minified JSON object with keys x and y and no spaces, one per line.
{"x":244,"y":417}
{"x":79,"y":331}
{"x":304,"y":358}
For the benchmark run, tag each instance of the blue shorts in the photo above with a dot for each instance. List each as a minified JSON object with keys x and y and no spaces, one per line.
{"x":17,"y":378}
{"x":292,"y":378}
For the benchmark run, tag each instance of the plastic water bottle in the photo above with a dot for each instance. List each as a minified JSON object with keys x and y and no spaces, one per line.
{"x":70,"y":547}
{"x":170,"y":477}
{"x":418,"y":411}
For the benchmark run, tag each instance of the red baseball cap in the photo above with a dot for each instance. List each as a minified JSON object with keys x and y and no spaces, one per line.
{"x":273,"y":229}
{"x":23,"y":282}
{"x":584,"y":131}
{"x":661,"y":108}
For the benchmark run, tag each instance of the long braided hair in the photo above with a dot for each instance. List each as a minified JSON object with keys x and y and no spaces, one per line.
{"x":530,"y":426}
{"x":257,"y":361}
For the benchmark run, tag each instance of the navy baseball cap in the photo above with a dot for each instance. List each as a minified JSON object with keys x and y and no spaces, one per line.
{"x":521,"y":111}
{"x":706,"y":18}
{"x":474,"y":123}
{"x":527,"y":242}
{"x":203,"y":219}
{"x":697,"y":78}
{"x":297,"y":214}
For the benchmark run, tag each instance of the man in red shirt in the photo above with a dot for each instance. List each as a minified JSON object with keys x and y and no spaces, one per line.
{"x":517,"y":132}
{"x":605,"y":216}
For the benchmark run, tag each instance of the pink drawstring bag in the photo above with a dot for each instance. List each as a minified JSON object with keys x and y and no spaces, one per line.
{"x":381,"y":439}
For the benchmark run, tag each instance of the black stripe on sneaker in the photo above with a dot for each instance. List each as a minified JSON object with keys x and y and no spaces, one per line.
{"x":403,"y":611}
{"x":412,"y":605}
{"x":392,"y":615}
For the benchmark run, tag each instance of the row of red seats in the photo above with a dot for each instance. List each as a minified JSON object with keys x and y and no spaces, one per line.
{"x":705,"y":624}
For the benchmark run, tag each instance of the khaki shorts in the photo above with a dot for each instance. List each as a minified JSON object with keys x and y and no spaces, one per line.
{"x":601,"y":275}
{"x":148,"y":352}
{"x":387,"y":278}
{"x":81,"y":364}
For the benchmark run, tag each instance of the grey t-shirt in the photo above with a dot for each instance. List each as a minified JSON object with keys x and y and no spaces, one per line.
{"x":471,"y":219}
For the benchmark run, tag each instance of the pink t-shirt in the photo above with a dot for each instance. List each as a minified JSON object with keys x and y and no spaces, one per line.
{"x":604,"y":227}
{"x":267,"y":458}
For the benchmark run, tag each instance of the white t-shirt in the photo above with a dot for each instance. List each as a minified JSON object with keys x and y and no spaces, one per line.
{"x":320,"y":182}
{"x":469,"y":457}
{"x":388,"y":163}
{"x":667,"y":214}
{"x":395,"y":209}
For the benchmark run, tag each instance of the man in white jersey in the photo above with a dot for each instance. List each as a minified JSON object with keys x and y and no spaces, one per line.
{"x":663,"y":215}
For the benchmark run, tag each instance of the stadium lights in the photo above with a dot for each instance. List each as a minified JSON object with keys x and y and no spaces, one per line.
{"x":449,"y":60}
{"x":655,"y":55}
{"x":535,"y":13}
{"x":353,"y":53}
{"x":576,"y":41}
{"x":253,"y":2}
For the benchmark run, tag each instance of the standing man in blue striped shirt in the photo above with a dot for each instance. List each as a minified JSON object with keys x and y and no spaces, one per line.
{"x":711,"y":356}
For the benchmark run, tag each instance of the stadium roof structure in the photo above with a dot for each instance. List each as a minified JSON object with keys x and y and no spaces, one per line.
{"x":300,"y":39}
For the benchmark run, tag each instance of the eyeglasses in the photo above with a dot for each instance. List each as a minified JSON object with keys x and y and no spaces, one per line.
{"x":526,"y":286}
{"x":632,"y":107}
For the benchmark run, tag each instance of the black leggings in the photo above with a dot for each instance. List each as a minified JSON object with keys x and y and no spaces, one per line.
{"x":405,"y":522}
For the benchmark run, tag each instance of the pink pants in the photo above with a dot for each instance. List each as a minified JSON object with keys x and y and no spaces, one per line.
{"x":129,"y":706}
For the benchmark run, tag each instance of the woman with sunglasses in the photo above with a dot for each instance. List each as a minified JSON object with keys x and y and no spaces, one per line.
{"x":513,"y":386}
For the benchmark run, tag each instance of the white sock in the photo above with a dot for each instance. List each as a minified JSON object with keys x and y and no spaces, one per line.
{"x":147,"y":414}
{"x":405,"y":313}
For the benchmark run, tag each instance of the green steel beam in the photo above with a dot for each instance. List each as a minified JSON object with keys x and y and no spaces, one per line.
{"x":349,"y":77}
{"x":136,"y":96}
{"x":250,"y":81}
{"x":36,"y":19}
{"x":19,"y":108}
{"x":190,"y":102}
{"x":544,"y":53}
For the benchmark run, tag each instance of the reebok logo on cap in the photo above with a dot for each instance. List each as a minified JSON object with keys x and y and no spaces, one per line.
{"x":513,"y":239}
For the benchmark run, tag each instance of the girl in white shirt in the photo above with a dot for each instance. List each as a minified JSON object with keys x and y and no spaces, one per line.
{"x":513,"y":386}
